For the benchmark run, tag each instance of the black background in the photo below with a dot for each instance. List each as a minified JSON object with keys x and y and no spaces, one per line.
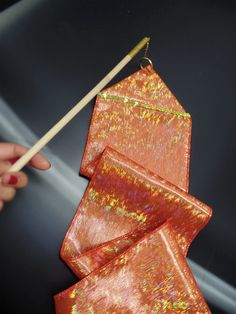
{"x":51,"y":54}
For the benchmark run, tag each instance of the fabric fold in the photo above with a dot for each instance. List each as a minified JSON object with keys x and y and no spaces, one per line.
{"x":122,"y":202}
{"x":151,"y":276}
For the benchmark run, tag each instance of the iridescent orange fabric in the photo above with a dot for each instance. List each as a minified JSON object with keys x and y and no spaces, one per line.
{"x":123,"y":201}
{"x":151,"y":276}
{"x":132,"y":230}
{"x":142,"y":119}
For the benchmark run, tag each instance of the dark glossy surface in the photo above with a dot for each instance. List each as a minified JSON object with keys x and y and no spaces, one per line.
{"x":51,"y":54}
{"x":7,"y":3}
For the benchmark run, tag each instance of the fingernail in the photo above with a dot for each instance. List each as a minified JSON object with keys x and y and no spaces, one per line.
{"x":12,"y":180}
{"x":13,"y":160}
{"x":47,"y":164}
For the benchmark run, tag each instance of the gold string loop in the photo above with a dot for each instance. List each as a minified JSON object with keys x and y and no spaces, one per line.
{"x":145,"y":60}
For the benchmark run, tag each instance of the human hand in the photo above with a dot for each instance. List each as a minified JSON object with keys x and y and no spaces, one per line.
{"x":10,"y":181}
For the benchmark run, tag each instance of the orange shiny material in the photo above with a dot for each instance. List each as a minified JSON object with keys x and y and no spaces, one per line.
{"x":141,"y":118}
{"x":123,"y":201}
{"x":152,"y":276}
{"x":132,"y":230}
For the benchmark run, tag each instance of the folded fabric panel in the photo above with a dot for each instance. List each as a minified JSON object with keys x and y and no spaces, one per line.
{"x":152,"y":276}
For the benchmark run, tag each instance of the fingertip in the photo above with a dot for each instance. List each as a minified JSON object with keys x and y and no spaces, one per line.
{"x":39,"y":162}
{"x":1,"y":205}
{"x":45,"y":165}
{"x":15,"y":179}
{"x":10,"y":179}
{"x":7,"y":193}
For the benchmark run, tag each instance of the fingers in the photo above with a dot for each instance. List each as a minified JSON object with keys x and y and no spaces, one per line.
{"x":14,"y":179}
{"x":7,"y":193}
{"x":17,"y":180}
{"x":4,"y":166}
{"x":40,"y":162}
{"x":9,"y":182}
{"x":11,"y":151}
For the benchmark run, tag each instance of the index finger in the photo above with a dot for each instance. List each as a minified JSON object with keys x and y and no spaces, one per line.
{"x":14,"y":151}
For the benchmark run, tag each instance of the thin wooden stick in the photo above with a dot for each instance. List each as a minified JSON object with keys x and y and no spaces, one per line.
{"x":76,"y":109}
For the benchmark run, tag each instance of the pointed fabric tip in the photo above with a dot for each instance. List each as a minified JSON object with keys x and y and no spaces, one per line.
{"x":141,"y":118}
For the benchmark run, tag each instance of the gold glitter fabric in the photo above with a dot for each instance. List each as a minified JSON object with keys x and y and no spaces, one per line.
{"x":123,"y":201}
{"x":142,"y":119}
{"x":152,"y":276}
{"x":129,"y":238}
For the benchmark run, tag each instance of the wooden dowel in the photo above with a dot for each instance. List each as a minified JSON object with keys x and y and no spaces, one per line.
{"x":76,"y":109}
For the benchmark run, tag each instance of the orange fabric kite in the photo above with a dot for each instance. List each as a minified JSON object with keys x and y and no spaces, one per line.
{"x":135,"y":222}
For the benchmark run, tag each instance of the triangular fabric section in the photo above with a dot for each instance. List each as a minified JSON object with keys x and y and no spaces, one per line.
{"x":141,"y":118}
{"x":146,"y":86}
